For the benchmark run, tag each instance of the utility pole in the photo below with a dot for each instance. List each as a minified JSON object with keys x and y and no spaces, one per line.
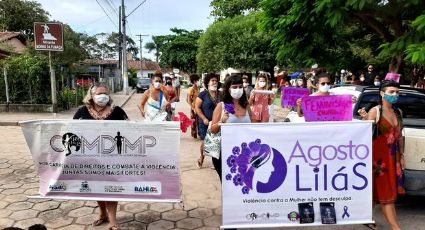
{"x":141,"y":56}
{"x":119,"y":40}
{"x":124,"y":50}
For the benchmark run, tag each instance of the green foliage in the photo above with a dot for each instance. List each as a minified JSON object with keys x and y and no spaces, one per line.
{"x":310,"y":31}
{"x":235,"y":42}
{"x":20,"y":15}
{"x":28,"y":79}
{"x":231,"y":8}
{"x":105,"y":45}
{"x":73,"y":51}
{"x":179,"y":49}
{"x":132,"y":78}
{"x":68,"y":98}
{"x":155,"y":45}
{"x":416,"y":50}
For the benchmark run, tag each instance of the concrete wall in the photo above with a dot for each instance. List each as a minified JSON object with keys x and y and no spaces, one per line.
{"x":26,"y":108}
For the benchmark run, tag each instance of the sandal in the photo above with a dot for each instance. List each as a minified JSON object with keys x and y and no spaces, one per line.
{"x":114,"y":228}
{"x":100,"y":221}
{"x":371,"y":226}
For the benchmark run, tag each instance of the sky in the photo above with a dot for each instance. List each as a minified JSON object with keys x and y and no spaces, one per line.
{"x":154,"y":17}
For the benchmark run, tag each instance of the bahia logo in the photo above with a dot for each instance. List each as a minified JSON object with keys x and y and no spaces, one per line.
{"x":256,"y":166}
{"x":57,"y":187}
{"x":145,"y":189}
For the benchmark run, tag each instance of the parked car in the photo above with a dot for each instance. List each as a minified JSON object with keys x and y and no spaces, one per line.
{"x":412,"y":104}
{"x":143,"y":84}
{"x":85,"y":80}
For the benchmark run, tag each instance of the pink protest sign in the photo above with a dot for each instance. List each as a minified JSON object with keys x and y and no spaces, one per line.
{"x":291,"y":94}
{"x":328,"y":108}
{"x":393,"y":76}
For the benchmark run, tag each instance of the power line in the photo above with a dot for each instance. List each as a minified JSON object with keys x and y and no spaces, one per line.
{"x":111,"y":6}
{"x":107,"y":14}
{"x":136,"y":8}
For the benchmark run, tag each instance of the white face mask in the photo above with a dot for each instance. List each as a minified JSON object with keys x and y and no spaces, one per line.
{"x":198,"y":84}
{"x":236,"y":93}
{"x":324,"y":88}
{"x":362,"y":79}
{"x":101,"y":99}
{"x":377,"y":83}
{"x":157,"y":85}
{"x":212,"y":87}
{"x":261,"y":83}
{"x":245,"y":84}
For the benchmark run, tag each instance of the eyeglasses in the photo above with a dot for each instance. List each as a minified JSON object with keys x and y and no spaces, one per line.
{"x":325,"y":83}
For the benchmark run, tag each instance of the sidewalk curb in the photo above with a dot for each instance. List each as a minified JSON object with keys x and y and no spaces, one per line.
{"x":9,"y":123}
{"x":128,"y":98}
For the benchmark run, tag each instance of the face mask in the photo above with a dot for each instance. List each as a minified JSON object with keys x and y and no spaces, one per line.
{"x":391,"y":98}
{"x":212,"y":87}
{"x":377,"y":83}
{"x":362,"y":79}
{"x":300,"y":83}
{"x":245,"y":84}
{"x":261,"y":84}
{"x":324,"y":88}
{"x":101,"y":99}
{"x":198,"y":84}
{"x":236,"y":93}
{"x":157,"y":85}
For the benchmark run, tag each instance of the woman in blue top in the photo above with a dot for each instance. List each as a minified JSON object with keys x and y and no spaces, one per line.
{"x":236,"y":110}
{"x":205,"y":104}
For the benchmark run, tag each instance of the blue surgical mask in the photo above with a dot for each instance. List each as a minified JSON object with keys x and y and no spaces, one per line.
{"x":391,"y":98}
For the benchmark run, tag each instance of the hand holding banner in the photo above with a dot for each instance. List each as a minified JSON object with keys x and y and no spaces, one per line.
{"x":328,"y":108}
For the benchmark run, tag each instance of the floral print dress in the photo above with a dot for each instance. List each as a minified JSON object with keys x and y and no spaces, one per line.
{"x":387,"y":173}
{"x":260,"y":108}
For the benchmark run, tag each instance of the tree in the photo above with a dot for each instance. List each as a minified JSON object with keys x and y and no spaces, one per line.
{"x":20,"y":15}
{"x":238,"y":43}
{"x":312,"y":27}
{"x":179,"y":49}
{"x":105,"y":45}
{"x":231,"y":8}
{"x":154,"y":45}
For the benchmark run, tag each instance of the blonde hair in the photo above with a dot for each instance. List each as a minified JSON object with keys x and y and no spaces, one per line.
{"x":265,"y":76}
{"x":88,"y":99}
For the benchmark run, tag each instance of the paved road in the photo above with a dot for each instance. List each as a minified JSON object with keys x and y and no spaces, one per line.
{"x":200,"y":209}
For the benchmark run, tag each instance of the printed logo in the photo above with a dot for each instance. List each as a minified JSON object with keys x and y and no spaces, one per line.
{"x":145,"y":189}
{"x":85,"y":187}
{"x":264,"y":216}
{"x":114,"y":189}
{"x":293,"y":216}
{"x":103,"y":144}
{"x":57,"y":187}
{"x":256,"y":166}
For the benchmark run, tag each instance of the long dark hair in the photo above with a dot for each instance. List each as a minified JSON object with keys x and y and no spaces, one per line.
{"x":227,"y":98}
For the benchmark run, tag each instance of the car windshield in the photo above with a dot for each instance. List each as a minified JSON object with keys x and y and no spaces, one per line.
{"x":145,"y":81}
{"x":411,"y":105}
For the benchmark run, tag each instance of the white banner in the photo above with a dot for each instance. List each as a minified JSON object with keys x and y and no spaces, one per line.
{"x":106,"y":160}
{"x":296,"y":174}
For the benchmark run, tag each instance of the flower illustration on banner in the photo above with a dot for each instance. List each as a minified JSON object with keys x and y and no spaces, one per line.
{"x":256,"y":167}
{"x":229,"y":108}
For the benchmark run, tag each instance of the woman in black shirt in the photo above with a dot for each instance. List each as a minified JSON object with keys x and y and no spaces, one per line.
{"x":98,"y":105}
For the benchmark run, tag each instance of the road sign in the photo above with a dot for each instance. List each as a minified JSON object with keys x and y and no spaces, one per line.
{"x":48,"y":36}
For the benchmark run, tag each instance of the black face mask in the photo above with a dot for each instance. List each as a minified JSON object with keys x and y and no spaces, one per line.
{"x":168,"y":83}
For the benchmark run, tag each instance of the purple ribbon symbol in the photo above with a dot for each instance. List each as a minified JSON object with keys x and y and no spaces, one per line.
{"x":345,"y":214}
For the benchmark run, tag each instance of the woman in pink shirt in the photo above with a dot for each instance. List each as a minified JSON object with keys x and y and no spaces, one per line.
{"x":260,"y":102}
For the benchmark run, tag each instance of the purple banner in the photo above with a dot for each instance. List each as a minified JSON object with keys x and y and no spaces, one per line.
{"x":328,"y":108}
{"x":290,"y":95}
